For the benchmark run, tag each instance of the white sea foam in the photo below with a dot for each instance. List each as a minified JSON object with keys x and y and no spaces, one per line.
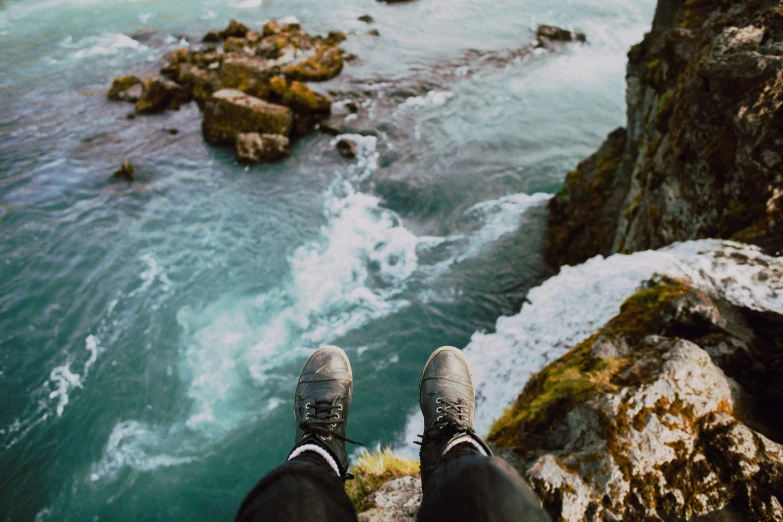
{"x":569,"y":307}
{"x":106,"y":44}
{"x":64,"y":381}
{"x":431,"y":99}
{"x":246,"y":4}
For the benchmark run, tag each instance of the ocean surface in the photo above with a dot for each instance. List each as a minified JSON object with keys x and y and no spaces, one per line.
{"x":151,"y":333}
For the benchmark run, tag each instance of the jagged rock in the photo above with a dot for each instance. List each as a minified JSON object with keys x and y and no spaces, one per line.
{"x":235,"y":29}
{"x":160,"y":95}
{"x":705,"y":102}
{"x":126,"y":88}
{"x":252,"y":147}
{"x":334,"y":38}
{"x":125,"y":172}
{"x":302,"y":99}
{"x":212,"y":36}
{"x":230,"y":112}
{"x":396,"y":501}
{"x":346,"y":148}
{"x":324,"y":65}
{"x":639,"y":421}
{"x":373,"y":32}
{"x":366,"y":19}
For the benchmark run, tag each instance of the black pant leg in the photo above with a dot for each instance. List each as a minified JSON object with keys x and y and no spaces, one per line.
{"x":476,"y":488}
{"x":304,"y":489}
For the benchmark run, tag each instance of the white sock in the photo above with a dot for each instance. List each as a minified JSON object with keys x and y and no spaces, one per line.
{"x":317,"y":449}
{"x":465,"y":439}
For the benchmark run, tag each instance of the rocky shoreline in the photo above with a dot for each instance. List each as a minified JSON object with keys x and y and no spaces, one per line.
{"x":669,"y":411}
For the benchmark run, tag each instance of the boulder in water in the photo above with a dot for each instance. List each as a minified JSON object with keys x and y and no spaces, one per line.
{"x":125,"y":172}
{"x":324,"y":65}
{"x":347,"y":148}
{"x":126,"y":88}
{"x":253,"y":147}
{"x":200,"y":83}
{"x":366,"y":19}
{"x":235,"y":29}
{"x":230,"y":112}
{"x":160,"y":95}
{"x":212,"y":36}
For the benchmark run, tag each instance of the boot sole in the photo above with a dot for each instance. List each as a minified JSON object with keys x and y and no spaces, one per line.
{"x":436,"y":352}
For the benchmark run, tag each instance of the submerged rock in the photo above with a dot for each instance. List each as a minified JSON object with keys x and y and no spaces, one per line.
{"x":253,"y":147}
{"x":655,"y":417}
{"x":125,"y":172}
{"x":126,"y":88}
{"x":366,"y":19}
{"x":346,"y":148}
{"x":230,"y":112}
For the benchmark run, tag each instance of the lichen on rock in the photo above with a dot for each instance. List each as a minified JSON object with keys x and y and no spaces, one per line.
{"x":704,"y":106}
{"x":639,"y":421}
{"x":230,"y":112}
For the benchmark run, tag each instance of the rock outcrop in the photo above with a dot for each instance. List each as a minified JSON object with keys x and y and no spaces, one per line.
{"x":252,"y":147}
{"x":267,"y":67}
{"x":666,"y":413}
{"x":701,"y":153}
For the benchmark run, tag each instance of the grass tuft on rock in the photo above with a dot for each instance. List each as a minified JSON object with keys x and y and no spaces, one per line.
{"x":580,"y":374}
{"x":372,"y":470}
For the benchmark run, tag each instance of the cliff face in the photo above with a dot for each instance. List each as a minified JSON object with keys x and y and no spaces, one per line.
{"x":666,"y":413}
{"x":701,"y":153}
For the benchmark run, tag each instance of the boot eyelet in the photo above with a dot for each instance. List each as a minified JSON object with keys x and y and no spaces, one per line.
{"x":439,"y":400}
{"x":307,"y":406}
{"x":340,"y":407}
{"x":307,"y":415}
{"x":439,"y":410}
{"x":440,"y":417}
{"x":337,"y":415}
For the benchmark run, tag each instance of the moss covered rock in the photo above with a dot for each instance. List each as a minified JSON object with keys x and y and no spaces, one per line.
{"x":160,"y":95}
{"x":229,"y":112}
{"x":126,"y":88}
{"x":375,"y":469}
{"x":324,"y":65}
{"x":253,"y":147}
{"x":655,"y":417}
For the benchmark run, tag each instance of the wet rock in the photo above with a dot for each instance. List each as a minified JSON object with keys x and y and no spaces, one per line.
{"x":235,"y":29}
{"x":126,"y":88}
{"x":324,"y":65}
{"x":347,"y":148}
{"x":200,"y":83}
{"x":302,"y":99}
{"x":160,"y":95}
{"x":352,"y":107}
{"x":366,"y":19}
{"x":125,"y":172}
{"x":253,"y":147}
{"x":212,"y":36}
{"x":396,"y":501}
{"x":230,"y":112}
{"x":245,"y":73}
{"x":238,"y":45}
{"x":373,"y":32}
{"x":549,"y":33}
{"x":654,"y":428}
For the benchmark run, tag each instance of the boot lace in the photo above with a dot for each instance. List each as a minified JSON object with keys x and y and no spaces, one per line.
{"x":324,"y":421}
{"x":452,"y":418}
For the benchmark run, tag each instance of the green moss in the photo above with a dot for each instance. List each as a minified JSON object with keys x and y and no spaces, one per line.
{"x":577,"y":375}
{"x":563,"y":195}
{"x":665,"y":109}
{"x":653,"y":75}
{"x":372,"y":470}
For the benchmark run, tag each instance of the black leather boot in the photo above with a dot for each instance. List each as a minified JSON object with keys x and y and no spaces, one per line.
{"x":448,"y":403}
{"x":323,"y":397}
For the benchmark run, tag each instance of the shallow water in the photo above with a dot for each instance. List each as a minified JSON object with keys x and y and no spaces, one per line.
{"x":151,"y":334}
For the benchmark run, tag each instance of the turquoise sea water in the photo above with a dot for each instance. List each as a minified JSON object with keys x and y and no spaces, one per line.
{"x":151,"y":334}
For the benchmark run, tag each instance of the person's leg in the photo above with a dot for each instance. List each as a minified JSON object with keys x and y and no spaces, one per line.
{"x":460,"y":477}
{"x":310,"y":485}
